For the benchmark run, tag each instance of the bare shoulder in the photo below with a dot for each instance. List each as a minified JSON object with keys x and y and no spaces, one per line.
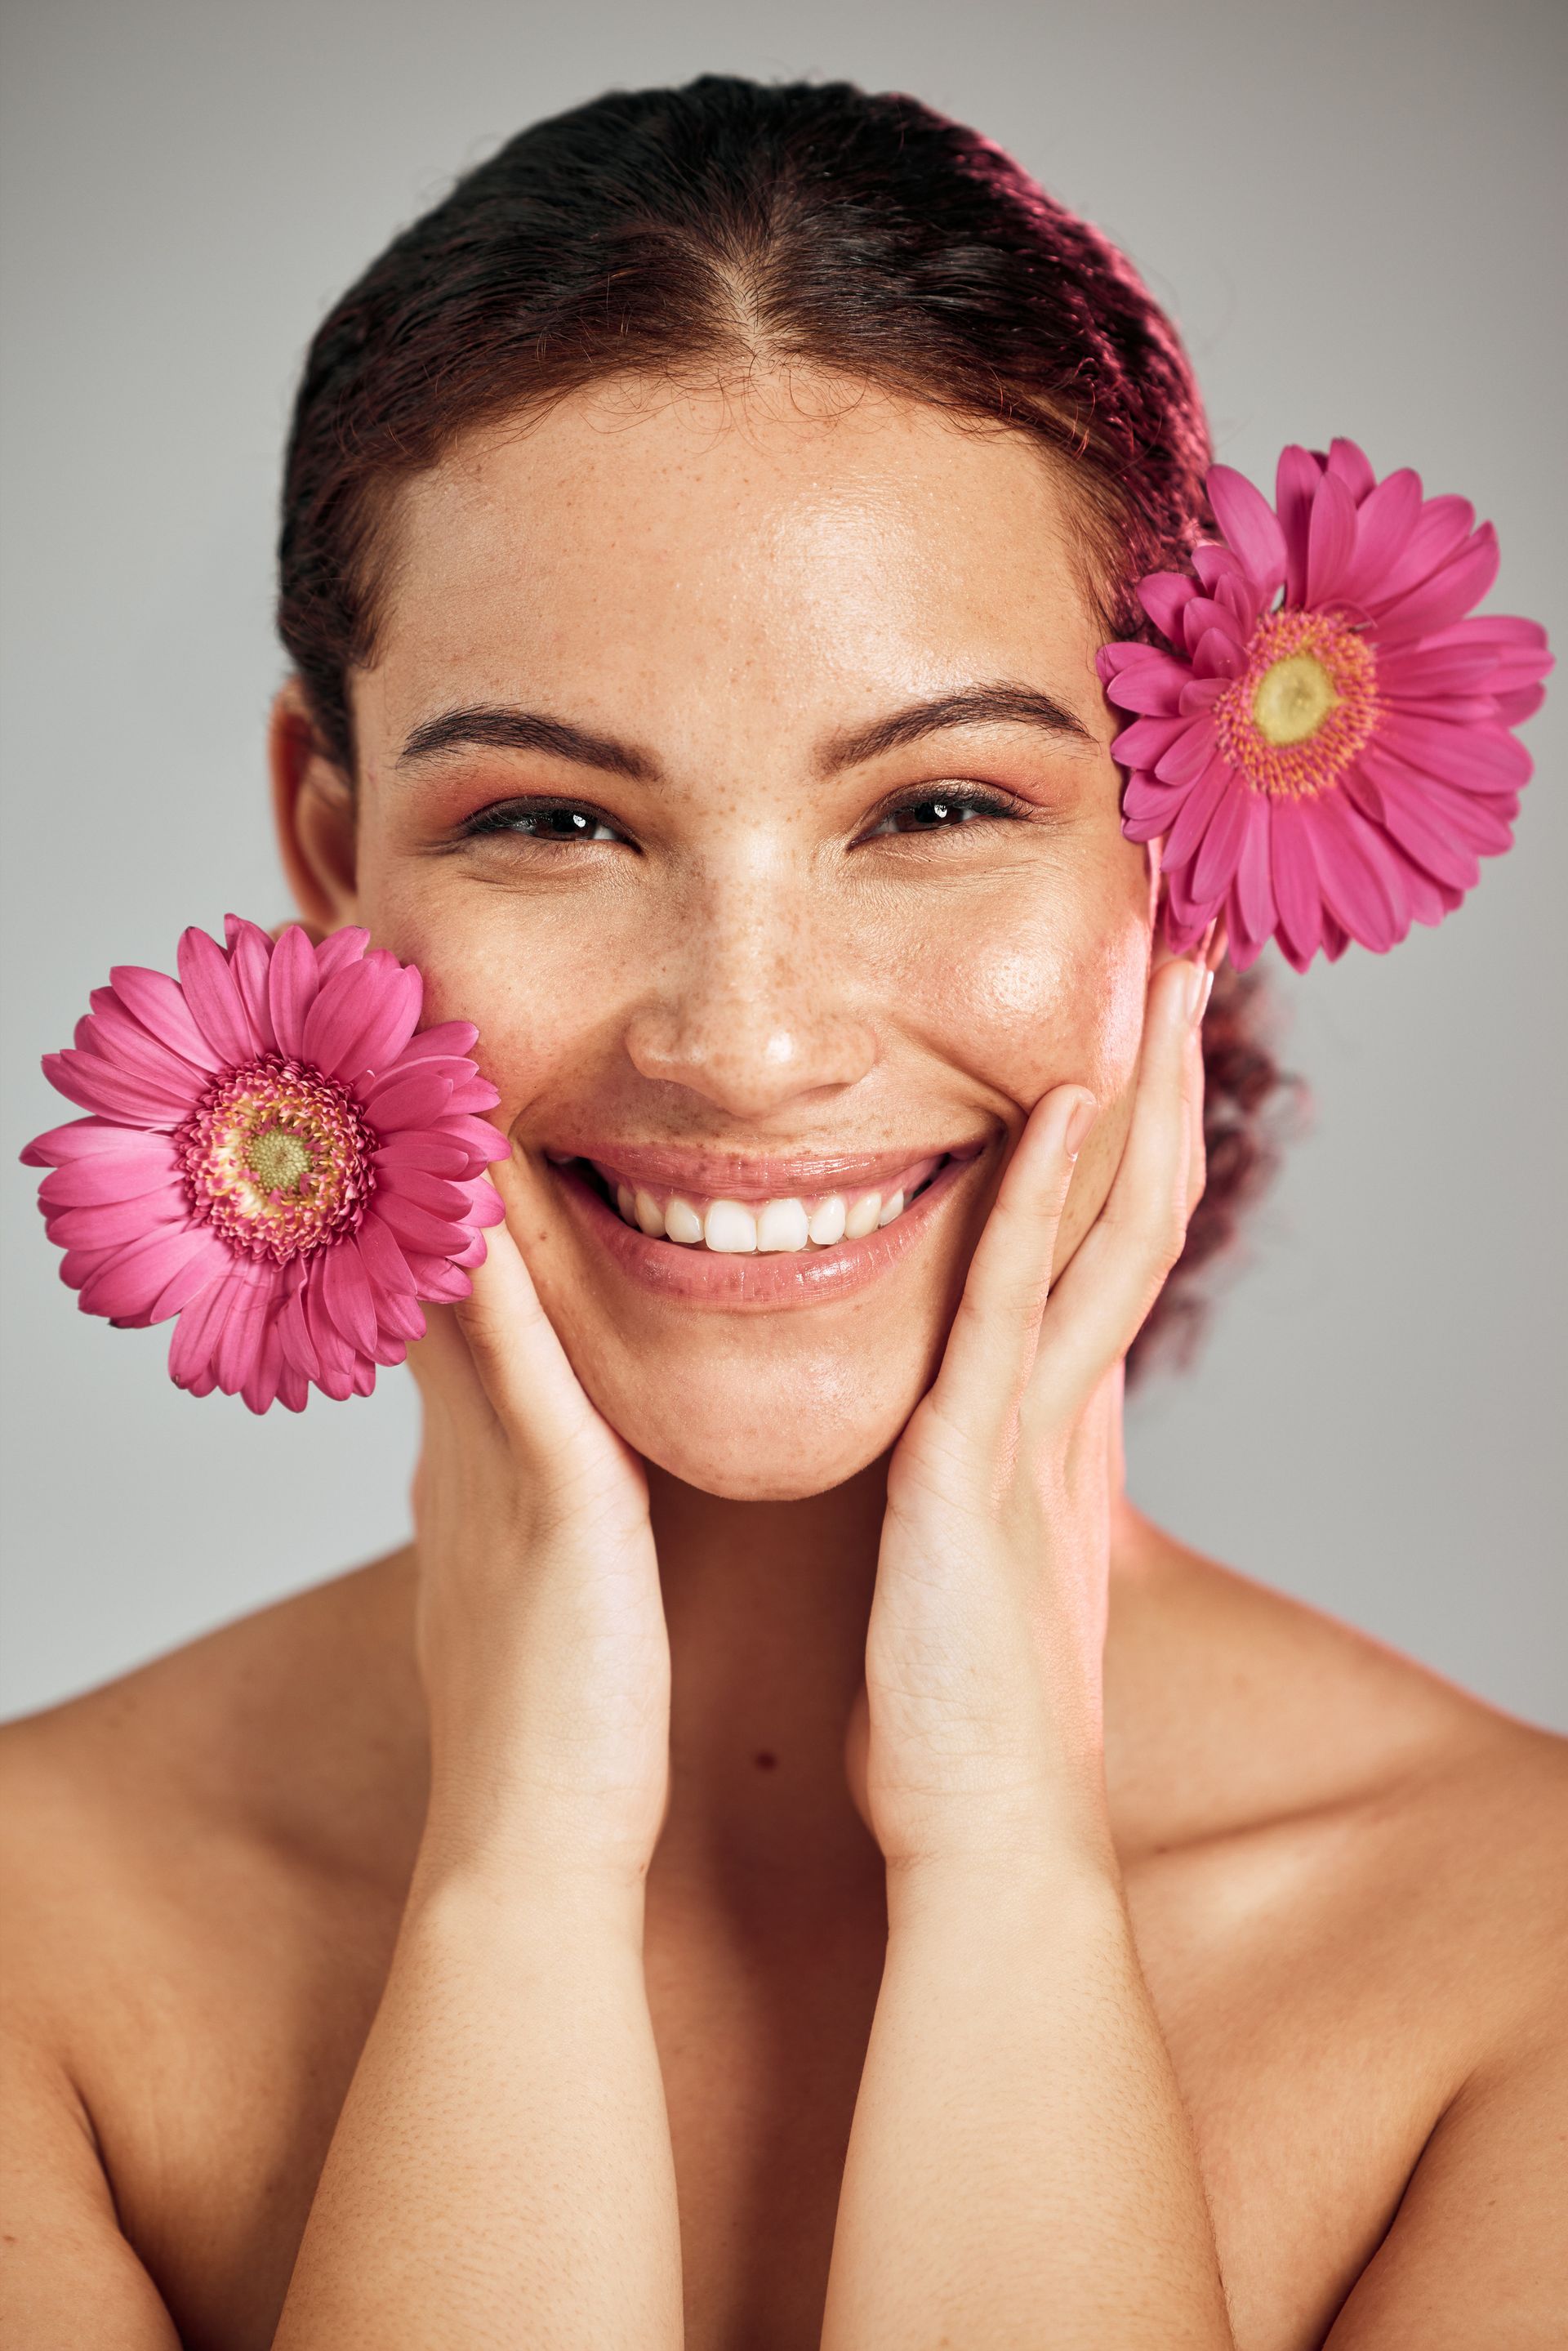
{"x":255,"y":1753}
{"x":1432,"y":1825}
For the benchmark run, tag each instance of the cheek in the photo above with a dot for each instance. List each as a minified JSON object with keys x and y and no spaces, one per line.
{"x":1036,"y":994}
{"x":530,"y":987}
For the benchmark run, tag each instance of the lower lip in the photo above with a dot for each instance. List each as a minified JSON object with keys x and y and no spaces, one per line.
{"x":808,"y":1277}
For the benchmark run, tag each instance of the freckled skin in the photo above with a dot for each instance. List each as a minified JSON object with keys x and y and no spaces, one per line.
{"x":726,"y":585}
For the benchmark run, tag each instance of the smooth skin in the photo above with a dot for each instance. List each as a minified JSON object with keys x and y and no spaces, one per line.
{"x":788,"y":1856}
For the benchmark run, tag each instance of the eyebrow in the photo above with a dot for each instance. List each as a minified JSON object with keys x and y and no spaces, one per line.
{"x":499,"y":726}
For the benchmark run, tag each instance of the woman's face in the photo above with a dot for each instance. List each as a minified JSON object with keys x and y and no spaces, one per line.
{"x":740,"y":768}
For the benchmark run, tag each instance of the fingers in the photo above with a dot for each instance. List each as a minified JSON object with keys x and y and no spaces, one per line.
{"x":991,"y":1347}
{"x":496,"y":1353}
{"x":1105,"y":1293}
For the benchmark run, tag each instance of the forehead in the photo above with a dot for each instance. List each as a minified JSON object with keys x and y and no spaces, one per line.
{"x":811,"y":547}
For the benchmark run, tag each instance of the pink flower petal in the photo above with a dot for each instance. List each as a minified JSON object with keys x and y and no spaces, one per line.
{"x":1146,"y":740}
{"x":1475,"y":758}
{"x":250,"y":965}
{"x":292,"y":985}
{"x":1250,"y":526}
{"x":340,"y":948}
{"x":133,"y":1278}
{"x":1253,"y":892}
{"x":414,"y":1097}
{"x":260,"y":1388}
{"x":111,"y":1031}
{"x":483,"y":1140}
{"x":1353,"y":890}
{"x":446,"y":1038}
{"x":1294,"y":873}
{"x":1444,"y":527}
{"x":1192,"y":818}
{"x":426,"y":1147}
{"x":1384,"y":521}
{"x":103,"y":1086}
{"x":192,"y":1343}
{"x":1146,"y":811}
{"x":213,"y":998}
{"x":341,"y":1012}
{"x":111,"y":1223}
{"x":1219,"y":655}
{"x":159,"y":1003}
{"x":1191,"y":753}
{"x":87,"y":1138}
{"x":1331,"y":541}
{"x":1164,"y":596}
{"x":144,"y":1163}
{"x":1295,"y":489}
{"x":386,"y":1030}
{"x":418,"y":1228}
{"x":439,"y":1280}
{"x":389,"y":1269}
{"x":1450,"y":591}
{"x":1348,"y":465}
{"x":209,"y":1261}
{"x":245,"y":1326}
{"x":1151,"y":686}
{"x":1214,"y":867}
{"x":345,"y":1290}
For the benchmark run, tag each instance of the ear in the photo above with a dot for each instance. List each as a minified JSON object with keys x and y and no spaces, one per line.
{"x":314,"y":811}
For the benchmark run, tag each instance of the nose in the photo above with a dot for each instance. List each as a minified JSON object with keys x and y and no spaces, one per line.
{"x":754,"y":1005}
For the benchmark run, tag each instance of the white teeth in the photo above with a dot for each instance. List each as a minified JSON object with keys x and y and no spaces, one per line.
{"x":781,"y":1225}
{"x":734,"y":1229}
{"x":649,"y":1214}
{"x":681,"y":1223}
{"x":730,"y":1228}
{"x":826,"y":1224}
{"x":862,"y":1219}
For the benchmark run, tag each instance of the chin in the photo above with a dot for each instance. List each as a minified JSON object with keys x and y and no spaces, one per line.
{"x":755,"y":1431}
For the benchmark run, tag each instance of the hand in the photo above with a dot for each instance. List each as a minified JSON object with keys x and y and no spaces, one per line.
{"x":980,"y":1719}
{"x":540,"y":1630}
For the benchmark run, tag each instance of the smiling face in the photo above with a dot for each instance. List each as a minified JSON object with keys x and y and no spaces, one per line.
{"x":741,"y":770}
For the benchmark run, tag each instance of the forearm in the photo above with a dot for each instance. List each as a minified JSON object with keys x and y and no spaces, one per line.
{"x":1021,"y":2170}
{"x":502,"y":2171}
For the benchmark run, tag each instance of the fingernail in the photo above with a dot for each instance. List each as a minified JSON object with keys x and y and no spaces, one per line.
{"x":1083,"y":1115}
{"x":1205,"y":991}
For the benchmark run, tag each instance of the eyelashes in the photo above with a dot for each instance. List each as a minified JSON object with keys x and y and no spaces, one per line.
{"x":561,"y":823}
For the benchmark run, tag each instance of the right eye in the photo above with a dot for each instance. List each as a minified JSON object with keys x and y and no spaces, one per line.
{"x":551,"y":821}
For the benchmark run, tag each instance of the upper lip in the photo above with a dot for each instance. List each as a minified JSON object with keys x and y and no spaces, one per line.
{"x":748,"y":1175}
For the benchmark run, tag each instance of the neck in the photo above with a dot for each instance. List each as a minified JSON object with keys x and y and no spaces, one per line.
{"x":768,"y":1605}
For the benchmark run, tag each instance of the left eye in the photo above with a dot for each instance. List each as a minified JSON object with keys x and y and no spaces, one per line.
{"x":544,"y":820}
{"x":941,"y":812}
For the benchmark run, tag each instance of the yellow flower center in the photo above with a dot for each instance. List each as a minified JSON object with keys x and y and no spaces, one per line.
{"x":1293,"y":698}
{"x":276,"y":1159}
{"x":1302,"y":707}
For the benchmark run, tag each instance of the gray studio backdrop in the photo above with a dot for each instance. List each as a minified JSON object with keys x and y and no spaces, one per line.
{"x":1353,"y":211}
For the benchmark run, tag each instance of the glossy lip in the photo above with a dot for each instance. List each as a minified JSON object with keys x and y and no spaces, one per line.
{"x":810,"y":1277}
{"x":743,"y":1175}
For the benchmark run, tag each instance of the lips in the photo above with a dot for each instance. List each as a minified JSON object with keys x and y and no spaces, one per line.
{"x":751,"y":1244}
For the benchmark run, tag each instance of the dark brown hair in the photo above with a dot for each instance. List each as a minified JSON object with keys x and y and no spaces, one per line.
{"x":726,"y":225}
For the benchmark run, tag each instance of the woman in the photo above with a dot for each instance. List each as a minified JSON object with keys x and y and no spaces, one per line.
{"x":788,"y":1855}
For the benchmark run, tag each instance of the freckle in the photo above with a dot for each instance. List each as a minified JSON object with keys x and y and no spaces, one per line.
{"x":763,"y":1761}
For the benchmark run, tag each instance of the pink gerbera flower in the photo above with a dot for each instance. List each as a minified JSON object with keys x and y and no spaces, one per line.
{"x":274,"y":1156}
{"x":1327,"y":752}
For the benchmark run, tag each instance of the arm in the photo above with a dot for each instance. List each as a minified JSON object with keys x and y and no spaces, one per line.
{"x":1021,"y":2171}
{"x":501,"y":2168}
